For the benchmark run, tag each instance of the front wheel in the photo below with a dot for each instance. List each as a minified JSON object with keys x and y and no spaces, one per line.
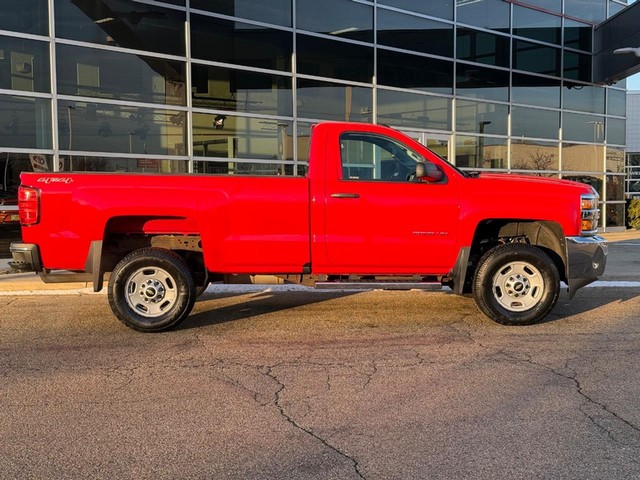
{"x":516,"y":284}
{"x":151,"y":290}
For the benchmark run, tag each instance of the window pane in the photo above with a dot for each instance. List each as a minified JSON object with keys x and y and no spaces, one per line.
{"x":355,"y":20}
{"x":27,"y":16}
{"x":616,"y":131}
{"x":615,"y":213}
{"x":615,"y":160}
{"x":123,"y":23}
{"x":577,"y":35}
{"x":334,"y":59}
{"x":534,"y":155}
{"x":481,"y":152}
{"x":374,"y":157}
{"x":402,"y":109}
{"x":104,"y":74}
{"x":491,"y":14}
{"x":273,"y":11}
{"x":120,"y":129}
{"x":332,"y":101}
{"x":551,"y":5}
{"x":615,"y":8}
{"x":92,"y":163}
{"x":617,"y":104}
{"x":583,"y":158}
{"x":24,"y":65}
{"x":435,"y":8}
{"x":537,"y":25}
{"x":583,"y":98}
{"x":483,"y":47}
{"x":534,"y":123}
{"x":26,"y":122}
{"x":539,"y":91}
{"x":591,"y":10}
{"x":582,"y":128}
{"x":412,"y":71}
{"x":480,"y":117}
{"x":414,"y":33}
{"x":577,"y":66}
{"x":479,"y":82}
{"x":262,"y":141}
{"x":536,"y":58}
{"x":241,"y":91}
{"x":240,"y":43}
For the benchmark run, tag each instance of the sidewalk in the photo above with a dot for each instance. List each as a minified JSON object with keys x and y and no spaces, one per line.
{"x":30,"y":283}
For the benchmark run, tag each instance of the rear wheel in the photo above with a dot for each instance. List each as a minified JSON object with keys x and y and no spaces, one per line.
{"x":516,"y":284}
{"x":151,"y":290}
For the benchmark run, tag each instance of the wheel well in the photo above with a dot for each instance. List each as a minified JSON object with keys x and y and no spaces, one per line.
{"x":548,"y":236}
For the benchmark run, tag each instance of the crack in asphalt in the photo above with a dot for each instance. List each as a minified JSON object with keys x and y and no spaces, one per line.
{"x":573,"y":379}
{"x":269,"y":371}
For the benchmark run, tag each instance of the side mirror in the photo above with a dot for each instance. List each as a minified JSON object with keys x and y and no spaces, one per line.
{"x":428,"y":172}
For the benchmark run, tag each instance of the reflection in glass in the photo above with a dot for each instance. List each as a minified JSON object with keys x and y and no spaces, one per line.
{"x":304,"y":136}
{"x":97,"y":127}
{"x":615,"y":213}
{"x":274,"y":11}
{"x":104,"y":74}
{"x":96,"y":163}
{"x":412,"y":71}
{"x":577,"y":66}
{"x":24,"y":65}
{"x":414,"y":33}
{"x":534,"y":123}
{"x":482,"y":47}
{"x":266,"y":143}
{"x":123,"y":23}
{"x":582,"y":128}
{"x":26,"y":122}
{"x":241,"y":91}
{"x":535,"y":155}
{"x":538,"y":91}
{"x":240,"y":43}
{"x":480,"y":82}
{"x":401,"y":109}
{"x":583,"y":158}
{"x":354,"y":22}
{"x":480,"y":117}
{"x":551,"y":5}
{"x":577,"y":35}
{"x":590,"y":10}
{"x":334,"y":59}
{"x":536,"y":58}
{"x":616,"y":131}
{"x":617,"y":102}
{"x":615,"y":8}
{"x":435,"y":8}
{"x":26,"y":16}
{"x":537,"y":25}
{"x":333,"y":101}
{"x":491,"y":14}
{"x":615,"y":160}
{"x":583,"y":98}
{"x":481,"y":152}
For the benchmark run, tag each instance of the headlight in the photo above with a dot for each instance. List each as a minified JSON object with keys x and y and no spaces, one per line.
{"x":590,"y":214}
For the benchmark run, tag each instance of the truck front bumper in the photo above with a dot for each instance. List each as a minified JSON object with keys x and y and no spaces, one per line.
{"x":586,"y":260}
{"x":26,"y":257}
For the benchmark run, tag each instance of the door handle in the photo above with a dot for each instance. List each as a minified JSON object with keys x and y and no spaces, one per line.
{"x":345,"y":195}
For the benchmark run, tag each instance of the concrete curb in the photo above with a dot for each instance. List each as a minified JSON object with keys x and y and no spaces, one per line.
{"x":30,"y":283}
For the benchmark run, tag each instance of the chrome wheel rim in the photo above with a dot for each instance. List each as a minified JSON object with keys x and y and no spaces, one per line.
{"x":518,"y":286}
{"x":151,"y":292}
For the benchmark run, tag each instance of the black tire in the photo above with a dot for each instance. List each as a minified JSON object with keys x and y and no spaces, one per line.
{"x":151,"y":290}
{"x":516,"y":284}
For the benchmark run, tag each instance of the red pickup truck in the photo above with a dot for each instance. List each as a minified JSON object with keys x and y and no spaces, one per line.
{"x":375,"y":210}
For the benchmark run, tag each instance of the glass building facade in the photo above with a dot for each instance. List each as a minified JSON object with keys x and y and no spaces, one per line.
{"x":233,"y":86}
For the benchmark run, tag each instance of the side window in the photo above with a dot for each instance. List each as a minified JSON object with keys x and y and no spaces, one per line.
{"x":373,"y":157}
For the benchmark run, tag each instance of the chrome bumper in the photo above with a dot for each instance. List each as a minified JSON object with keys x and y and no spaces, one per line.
{"x":586,"y":260}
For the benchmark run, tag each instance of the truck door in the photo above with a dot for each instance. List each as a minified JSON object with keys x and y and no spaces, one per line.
{"x":380,"y":219}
